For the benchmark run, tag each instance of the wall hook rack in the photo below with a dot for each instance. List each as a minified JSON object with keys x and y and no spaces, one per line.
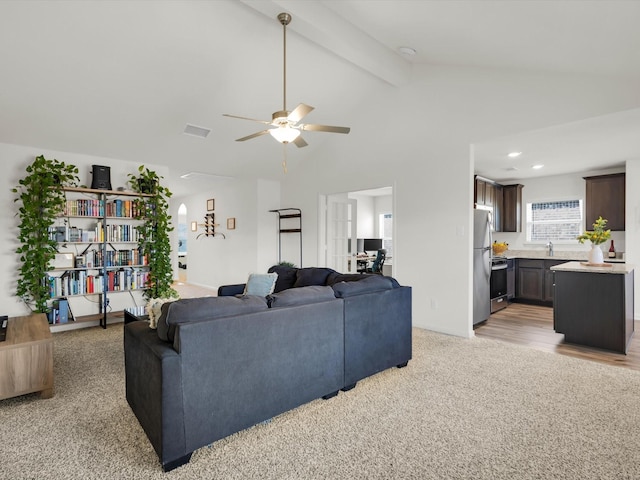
{"x":209,"y":226}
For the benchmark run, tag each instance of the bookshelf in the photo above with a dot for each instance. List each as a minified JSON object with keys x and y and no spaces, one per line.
{"x":99,"y":248}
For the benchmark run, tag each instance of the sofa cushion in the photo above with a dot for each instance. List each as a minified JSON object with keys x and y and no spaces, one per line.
{"x":261,"y":284}
{"x":373,"y":283}
{"x":337,"y":277}
{"x":286,"y":276}
{"x":203,"y":308}
{"x":301,"y":296}
{"x":312,"y":276}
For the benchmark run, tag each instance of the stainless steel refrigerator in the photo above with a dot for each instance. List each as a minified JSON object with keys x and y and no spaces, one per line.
{"x":481,"y":265}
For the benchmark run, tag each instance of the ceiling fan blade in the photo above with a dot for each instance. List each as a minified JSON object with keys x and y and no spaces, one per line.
{"x":299,"y":112}
{"x":299,"y":142}
{"x":324,"y":128}
{"x":246,"y":118}
{"x":254,"y":135}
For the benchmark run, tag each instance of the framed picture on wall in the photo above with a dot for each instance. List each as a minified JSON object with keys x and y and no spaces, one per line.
{"x":211,"y":205}
{"x":231,"y":223}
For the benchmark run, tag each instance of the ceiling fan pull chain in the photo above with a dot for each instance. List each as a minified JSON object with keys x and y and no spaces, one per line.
{"x":284,"y":161}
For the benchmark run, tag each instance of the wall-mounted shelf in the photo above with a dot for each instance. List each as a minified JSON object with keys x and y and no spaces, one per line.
{"x":292,"y":224}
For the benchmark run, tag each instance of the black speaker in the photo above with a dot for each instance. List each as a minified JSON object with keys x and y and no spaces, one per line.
{"x":101,"y":177}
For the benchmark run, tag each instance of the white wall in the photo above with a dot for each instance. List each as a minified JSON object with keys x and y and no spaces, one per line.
{"x":551,"y":188}
{"x":383,"y":204}
{"x":632,"y":222}
{"x":366,"y":215}
{"x":421,"y":145}
{"x":250,"y":247}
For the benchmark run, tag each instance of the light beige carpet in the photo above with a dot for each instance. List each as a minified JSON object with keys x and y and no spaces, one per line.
{"x":462,"y":409}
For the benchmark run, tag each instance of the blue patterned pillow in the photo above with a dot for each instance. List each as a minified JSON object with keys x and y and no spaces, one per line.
{"x":261,"y":284}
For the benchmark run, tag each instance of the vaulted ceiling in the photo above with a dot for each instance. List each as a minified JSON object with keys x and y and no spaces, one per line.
{"x":122,"y":79}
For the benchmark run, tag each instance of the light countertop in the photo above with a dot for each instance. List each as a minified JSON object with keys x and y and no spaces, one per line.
{"x":559,"y":255}
{"x":619,"y":268}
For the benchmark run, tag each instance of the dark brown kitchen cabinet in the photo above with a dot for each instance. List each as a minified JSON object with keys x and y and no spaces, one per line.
{"x":489,"y":191}
{"x":497,"y":207}
{"x":512,"y":208}
{"x":478,"y":191}
{"x":535,"y":280}
{"x":549,"y":279}
{"x":511,"y":278}
{"x":605,"y":197}
{"x":530,"y":279}
{"x":601,"y":320}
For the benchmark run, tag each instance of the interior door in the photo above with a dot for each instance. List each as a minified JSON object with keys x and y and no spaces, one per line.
{"x":340,"y":229}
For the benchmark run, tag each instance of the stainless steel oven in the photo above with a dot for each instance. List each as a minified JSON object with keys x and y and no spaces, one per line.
{"x":498,"y":283}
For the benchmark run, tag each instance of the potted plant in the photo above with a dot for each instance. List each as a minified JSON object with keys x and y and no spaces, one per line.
{"x":155,"y":243}
{"x":597,"y":236}
{"x":41,"y":197}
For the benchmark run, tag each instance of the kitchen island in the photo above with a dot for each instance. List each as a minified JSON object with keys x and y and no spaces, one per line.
{"x":593,"y":305}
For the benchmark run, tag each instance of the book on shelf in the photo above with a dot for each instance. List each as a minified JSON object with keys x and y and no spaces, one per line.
{"x":60,"y":312}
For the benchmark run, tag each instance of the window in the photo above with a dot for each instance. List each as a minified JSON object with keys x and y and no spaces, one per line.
{"x":554,"y":221}
{"x":386,"y":232}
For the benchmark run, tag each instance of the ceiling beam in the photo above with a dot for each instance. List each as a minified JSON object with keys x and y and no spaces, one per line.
{"x":324,"y":27}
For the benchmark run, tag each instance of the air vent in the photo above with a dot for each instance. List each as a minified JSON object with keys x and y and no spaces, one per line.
{"x":196,"y":131}
{"x":194,"y":175}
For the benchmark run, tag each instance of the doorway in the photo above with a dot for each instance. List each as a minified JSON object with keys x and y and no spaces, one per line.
{"x":347,"y":219}
{"x":182,"y":243}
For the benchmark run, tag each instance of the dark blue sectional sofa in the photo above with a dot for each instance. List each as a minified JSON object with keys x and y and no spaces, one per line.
{"x":217,"y":365}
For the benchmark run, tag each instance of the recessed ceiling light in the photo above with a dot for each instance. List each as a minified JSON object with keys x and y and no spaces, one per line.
{"x":514,"y":154}
{"x":537,"y":167}
{"x":197,"y":131}
{"x":408,"y":51}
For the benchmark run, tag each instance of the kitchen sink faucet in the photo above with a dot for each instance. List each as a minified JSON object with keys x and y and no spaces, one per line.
{"x":550,"y":249}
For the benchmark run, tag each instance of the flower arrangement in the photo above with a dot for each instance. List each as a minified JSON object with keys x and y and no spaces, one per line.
{"x":598,"y":235}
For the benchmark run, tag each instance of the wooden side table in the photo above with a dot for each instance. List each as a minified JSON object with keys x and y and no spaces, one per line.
{"x":26,"y":357}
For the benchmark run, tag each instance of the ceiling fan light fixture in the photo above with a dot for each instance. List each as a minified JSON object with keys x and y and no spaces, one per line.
{"x":284,"y":134}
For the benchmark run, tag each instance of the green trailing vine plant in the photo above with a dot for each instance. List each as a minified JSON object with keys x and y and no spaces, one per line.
{"x":42,"y":199}
{"x":155,"y":242}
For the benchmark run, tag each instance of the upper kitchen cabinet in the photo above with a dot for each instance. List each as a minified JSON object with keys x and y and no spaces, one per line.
{"x":497,"y":207}
{"x":605,"y":197}
{"x":479,"y":189}
{"x":487,"y":195}
{"x":511,"y":208}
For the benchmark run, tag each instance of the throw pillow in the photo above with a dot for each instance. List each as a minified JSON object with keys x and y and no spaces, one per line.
{"x":286,"y":277}
{"x":312,"y":276}
{"x":154,"y":309}
{"x":261,"y":284}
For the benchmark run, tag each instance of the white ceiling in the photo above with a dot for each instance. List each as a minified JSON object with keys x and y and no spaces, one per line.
{"x":122,"y":79}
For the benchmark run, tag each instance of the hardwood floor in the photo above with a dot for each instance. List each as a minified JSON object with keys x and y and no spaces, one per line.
{"x":533,"y":326}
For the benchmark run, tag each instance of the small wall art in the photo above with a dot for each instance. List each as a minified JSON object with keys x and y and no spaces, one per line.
{"x":231,"y":223}
{"x":211,"y":205}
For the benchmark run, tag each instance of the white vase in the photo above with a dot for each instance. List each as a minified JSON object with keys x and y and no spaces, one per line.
{"x":595,"y":254}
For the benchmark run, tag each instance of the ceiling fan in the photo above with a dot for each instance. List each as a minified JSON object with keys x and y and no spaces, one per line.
{"x":286,"y":127}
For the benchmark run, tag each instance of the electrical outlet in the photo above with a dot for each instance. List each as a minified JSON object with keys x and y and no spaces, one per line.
{"x":434,"y":304}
